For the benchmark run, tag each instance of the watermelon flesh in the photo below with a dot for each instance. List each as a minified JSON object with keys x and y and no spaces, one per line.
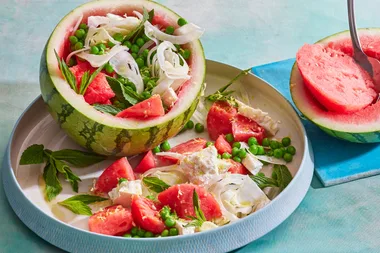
{"x":99,"y":91}
{"x":362,"y":126}
{"x":151,"y":107}
{"x":335,"y":79}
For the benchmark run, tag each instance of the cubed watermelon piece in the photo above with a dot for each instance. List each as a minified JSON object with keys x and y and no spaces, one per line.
{"x":151,"y":107}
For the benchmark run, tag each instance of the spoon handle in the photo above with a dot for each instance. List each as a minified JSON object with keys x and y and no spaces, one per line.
{"x":354,"y":35}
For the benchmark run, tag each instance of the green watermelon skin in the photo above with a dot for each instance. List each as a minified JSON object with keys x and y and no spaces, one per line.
{"x":106,"y":139}
{"x":370,"y":134}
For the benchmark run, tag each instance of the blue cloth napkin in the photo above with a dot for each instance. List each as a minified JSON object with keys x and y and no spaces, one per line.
{"x":336,"y":161}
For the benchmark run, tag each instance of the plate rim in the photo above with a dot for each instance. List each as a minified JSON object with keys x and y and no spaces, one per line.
{"x":11,"y":186}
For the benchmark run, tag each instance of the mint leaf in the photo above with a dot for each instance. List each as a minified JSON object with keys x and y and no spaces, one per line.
{"x":262,"y":181}
{"x":66,"y":72}
{"x":134,"y":34}
{"x":155,"y":184}
{"x":34,"y":154}
{"x":85,"y":198}
{"x":123,"y":94}
{"x":53,"y":186}
{"x":67,"y":173}
{"x":77,"y":207}
{"x":109,"y":109}
{"x":282,"y":175}
{"x":78,"y":158}
{"x":79,"y":204}
{"x":198,"y":211}
{"x":87,"y":79}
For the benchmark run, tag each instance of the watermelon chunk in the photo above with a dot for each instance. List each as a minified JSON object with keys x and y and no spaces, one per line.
{"x":222,"y":145}
{"x":180,"y":199}
{"x":99,"y":91}
{"x":243,"y":128}
{"x":146,"y":216}
{"x":110,"y":176}
{"x":148,"y":162}
{"x":151,"y":107}
{"x":237,"y":168}
{"x":113,"y":220}
{"x":219,"y":119}
{"x":335,"y":79}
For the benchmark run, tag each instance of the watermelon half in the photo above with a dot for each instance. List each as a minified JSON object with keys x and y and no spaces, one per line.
{"x":362,"y":126}
{"x":106,"y":134}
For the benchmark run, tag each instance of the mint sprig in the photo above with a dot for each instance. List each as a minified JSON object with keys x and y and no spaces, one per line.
{"x":155,"y":184}
{"x":281,"y":177}
{"x":79,"y":204}
{"x":87,"y":80}
{"x":55,"y":165}
{"x":66,"y":72}
{"x":136,"y":33}
{"x":109,"y":109}
{"x":199,"y":217}
{"x":223,"y":94}
{"x":123,"y":94}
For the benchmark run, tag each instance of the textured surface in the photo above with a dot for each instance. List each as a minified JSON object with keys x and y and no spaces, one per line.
{"x":241,"y":33}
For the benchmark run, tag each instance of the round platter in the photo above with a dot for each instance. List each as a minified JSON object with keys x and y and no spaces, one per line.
{"x":24,"y":185}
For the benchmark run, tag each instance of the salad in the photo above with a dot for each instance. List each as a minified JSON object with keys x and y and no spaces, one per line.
{"x":192,"y":187}
{"x":130,"y":66}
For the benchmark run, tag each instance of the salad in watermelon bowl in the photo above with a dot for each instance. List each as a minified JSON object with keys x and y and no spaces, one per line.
{"x":161,"y":155}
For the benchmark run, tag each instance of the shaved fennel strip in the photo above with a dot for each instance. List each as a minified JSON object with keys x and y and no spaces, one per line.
{"x":75,"y":52}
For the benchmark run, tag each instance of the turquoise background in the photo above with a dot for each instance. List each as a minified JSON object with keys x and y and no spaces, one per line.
{"x":242,"y":33}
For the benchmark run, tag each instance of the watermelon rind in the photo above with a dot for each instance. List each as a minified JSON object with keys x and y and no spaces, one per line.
{"x":358,"y":133}
{"x":106,"y":134}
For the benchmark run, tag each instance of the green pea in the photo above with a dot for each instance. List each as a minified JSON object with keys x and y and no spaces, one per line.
{"x":226,"y":155}
{"x":266,"y":142}
{"x":236,"y":144}
{"x":145,"y":72}
{"x":190,"y":124}
{"x":78,"y":45}
{"x":165,"y":233}
{"x":181,"y":22}
{"x":72,"y":62}
{"x":156,"y":150}
{"x":83,"y":26}
{"x":146,"y":38}
{"x":165,"y":146}
{"x":141,"y":232}
{"x":151,"y":197}
{"x":274,"y":144}
{"x":235,"y":151}
{"x":145,"y":53}
{"x":140,"y":42}
{"x":136,"y":236}
{"x":122,"y":180}
{"x":178,"y":47}
{"x":110,"y":44}
{"x":277,"y":153}
{"x":237,"y":159}
{"x":135,"y":48}
{"x":80,"y":33}
{"x":73,"y":40}
{"x":186,"y":54}
{"x":134,"y":231}
{"x":145,"y":94}
{"x":118,"y":37}
{"x":219,"y":156}
{"x":291,"y":150}
{"x":102,"y":46}
{"x":286,"y":141}
{"x":151,"y":84}
{"x":127,"y":235}
{"x":134,"y":55}
{"x":229,"y":137}
{"x":109,"y":68}
{"x":165,"y":213}
{"x":173,"y":231}
{"x":127,"y":44}
{"x":101,"y":51}
{"x":148,"y":234}
{"x":121,"y":79}
{"x":140,"y":62}
{"x":242,"y":154}
{"x":270,"y":153}
{"x":199,"y":128}
{"x":145,"y":79}
{"x":170,"y":222}
{"x":254,"y":149}
{"x":209,"y":143}
{"x":288,"y":157}
{"x":94,"y":50}
{"x":169,"y":30}
{"x":260,"y":150}
{"x":252,"y":141}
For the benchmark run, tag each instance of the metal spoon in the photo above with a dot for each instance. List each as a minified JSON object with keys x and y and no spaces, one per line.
{"x":367,"y":63}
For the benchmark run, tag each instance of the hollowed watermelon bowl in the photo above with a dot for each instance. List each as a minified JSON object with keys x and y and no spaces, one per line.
{"x":106,"y":134}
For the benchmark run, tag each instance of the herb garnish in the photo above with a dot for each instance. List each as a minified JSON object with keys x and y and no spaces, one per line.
{"x":281,"y":177}
{"x":155,"y":184}
{"x":79,"y":204}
